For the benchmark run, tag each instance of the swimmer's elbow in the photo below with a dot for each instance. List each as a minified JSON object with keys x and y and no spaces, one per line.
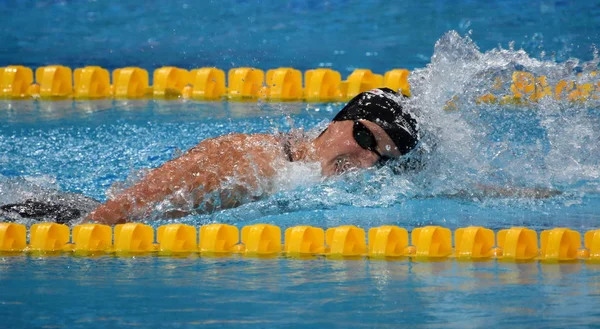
{"x":116,"y":211}
{"x":103,"y":215}
{"x":224,"y":198}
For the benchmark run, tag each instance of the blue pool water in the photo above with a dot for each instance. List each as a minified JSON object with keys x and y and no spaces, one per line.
{"x":91,"y":147}
{"x":153,"y":292}
{"x":343,"y":34}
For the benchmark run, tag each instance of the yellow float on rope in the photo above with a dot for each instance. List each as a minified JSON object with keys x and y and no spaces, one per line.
{"x":130,"y":82}
{"x":358,"y":81}
{"x":559,"y":244}
{"x":284,"y":84}
{"x":397,"y":80}
{"x":208,"y":83}
{"x":169,"y":81}
{"x":92,"y":237}
{"x":55,"y":81}
{"x":177,"y":238}
{"x":347,"y":240}
{"x":246,"y":83}
{"x":432,"y":242}
{"x":592,"y":244}
{"x":518,"y":243}
{"x":261,"y":239}
{"x":13,"y":237}
{"x":49,"y":237}
{"x":304,"y":240}
{"x":218,"y":238}
{"x":134,"y":238}
{"x":321,"y":85}
{"x":523,"y":86}
{"x":92,"y":82}
{"x":474,"y":242}
{"x":15,"y":81}
{"x":388,"y":241}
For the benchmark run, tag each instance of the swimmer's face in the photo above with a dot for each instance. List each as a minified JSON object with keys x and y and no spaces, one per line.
{"x":338,"y":150}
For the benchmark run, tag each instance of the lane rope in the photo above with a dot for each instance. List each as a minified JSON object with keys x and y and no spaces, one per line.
{"x":429,"y":243}
{"x":246,"y":83}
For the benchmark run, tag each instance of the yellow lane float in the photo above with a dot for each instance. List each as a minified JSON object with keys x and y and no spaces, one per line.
{"x":429,"y":243}
{"x":358,"y":81}
{"x":13,"y":237}
{"x":175,"y":238}
{"x":280,"y":84}
{"x":397,"y":80}
{"x":218,"y":238}
{"x":208,"y":84}
{"x":261,"y":239}
{"x":169,"y":82}
{"x":49,"y":237}
{"x":322,"y":85}
{"x":592,"y":245}
{"x":474,"y":242}
{"x":432,"y":242}
{"x":91,"y":82}
{"x":346,"y":241}
{"x":284,"y":84}
{"x":304,"y":240}
{"x":134,"y":238}
{"x":518,"y":244}
{"x":55,"y":82}
{"x":15,"y":81}
{"x":388,"y":241}
{"x":246,"y":83}
{"x":560,"y":244}
{"x":92,"y":237}
{"x":130,"y":83}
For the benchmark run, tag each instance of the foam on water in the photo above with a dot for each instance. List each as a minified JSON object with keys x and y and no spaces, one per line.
{"x":476,"y":151}
{"x":549,"y":143}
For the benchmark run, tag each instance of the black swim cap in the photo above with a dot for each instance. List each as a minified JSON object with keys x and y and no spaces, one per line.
{"x":382,"y":106}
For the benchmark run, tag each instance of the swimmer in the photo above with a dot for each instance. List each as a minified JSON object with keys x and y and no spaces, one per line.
{"x":229,"y":170}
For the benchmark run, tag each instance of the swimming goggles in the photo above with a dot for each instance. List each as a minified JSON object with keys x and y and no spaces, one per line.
{"x":365,"y":139}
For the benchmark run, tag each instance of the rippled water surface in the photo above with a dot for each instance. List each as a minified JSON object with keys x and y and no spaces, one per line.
{"x":155,"y":292}
{"x":343,"y":34}
{"x":94,"y":148}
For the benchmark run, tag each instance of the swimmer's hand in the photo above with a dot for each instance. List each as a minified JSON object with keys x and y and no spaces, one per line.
{"x":486,"y":191}
{"x":513,"y":191}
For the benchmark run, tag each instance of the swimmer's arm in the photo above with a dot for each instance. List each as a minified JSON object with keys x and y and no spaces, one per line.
{"x":489,"y":191}
{"x":134,"y":202}
{"x":199,"y":171}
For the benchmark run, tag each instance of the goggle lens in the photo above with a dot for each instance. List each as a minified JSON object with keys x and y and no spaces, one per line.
{"x":365,"y":139}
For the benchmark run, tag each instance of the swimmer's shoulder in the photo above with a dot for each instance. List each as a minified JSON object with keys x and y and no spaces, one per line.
{"x":237,"y":141}
{"x":257,"y":142}
{"x":237,"y":146}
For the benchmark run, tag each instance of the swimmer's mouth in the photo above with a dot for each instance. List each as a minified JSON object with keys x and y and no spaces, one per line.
{"x":342,"y":165}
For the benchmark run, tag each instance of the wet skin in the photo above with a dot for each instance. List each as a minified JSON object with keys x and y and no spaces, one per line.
{"x":337,"y":150}
{"x":229,"y":170}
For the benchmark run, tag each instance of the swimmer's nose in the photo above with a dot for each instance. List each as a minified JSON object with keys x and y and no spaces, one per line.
{"x":369,"y":159}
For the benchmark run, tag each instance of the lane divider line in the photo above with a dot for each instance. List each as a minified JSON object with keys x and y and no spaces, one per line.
{"x":429,"y":243}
